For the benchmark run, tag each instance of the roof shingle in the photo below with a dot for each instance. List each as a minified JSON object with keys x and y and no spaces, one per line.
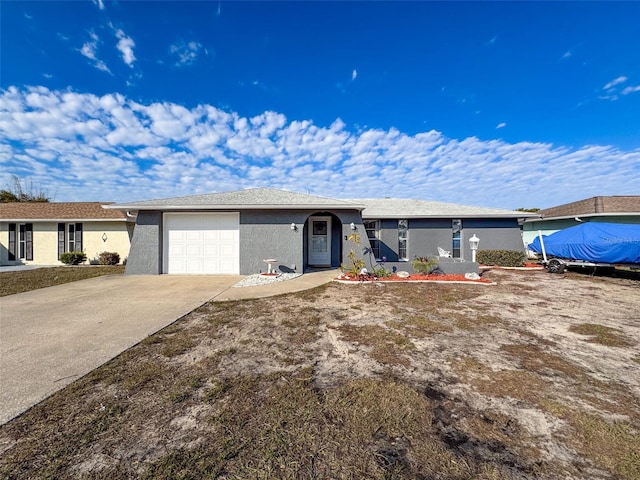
{"x":595,"y":205}
{"x":412,"y":208}
{"x":58,"y":211}
{"x":263,"y":198}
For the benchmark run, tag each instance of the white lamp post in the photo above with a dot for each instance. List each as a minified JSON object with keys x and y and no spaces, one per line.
{"x":473,"y":244}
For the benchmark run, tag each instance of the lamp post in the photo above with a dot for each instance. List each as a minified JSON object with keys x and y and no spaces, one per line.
{"x":473,"y":244}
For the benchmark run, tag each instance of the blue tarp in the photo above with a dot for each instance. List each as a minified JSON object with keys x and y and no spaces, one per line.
{"x":593,"y":242}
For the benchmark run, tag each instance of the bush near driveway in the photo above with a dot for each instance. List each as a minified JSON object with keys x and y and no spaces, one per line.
{"x":73,"y":258}
{"x":109,"y":258}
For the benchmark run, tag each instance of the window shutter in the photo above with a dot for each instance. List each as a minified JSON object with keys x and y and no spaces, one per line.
{"x":60,"y":239}
{"x":78,"y":237}
{"x":12,"y":241}
{"x":28,"y":241}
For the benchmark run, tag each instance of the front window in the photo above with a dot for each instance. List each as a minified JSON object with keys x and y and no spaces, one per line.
{"x":403,"y":228}
{"x":456,"y":227}
{"x":20,"y":245}
{"x":71,"y":237}
{"x":22,"y":241}
{"x":372,"y":227}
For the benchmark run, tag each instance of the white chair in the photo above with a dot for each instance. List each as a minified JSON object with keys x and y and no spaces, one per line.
{"x":443,"y":253}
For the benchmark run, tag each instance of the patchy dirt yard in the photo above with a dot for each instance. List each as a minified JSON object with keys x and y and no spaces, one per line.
{"x":536,"y":377}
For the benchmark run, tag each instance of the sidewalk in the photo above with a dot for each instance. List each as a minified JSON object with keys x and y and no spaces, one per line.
{"x":304,"y":282}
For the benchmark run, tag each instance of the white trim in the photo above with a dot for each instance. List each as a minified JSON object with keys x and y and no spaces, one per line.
{"x":406,"y":240}
{"x":376,"y":235}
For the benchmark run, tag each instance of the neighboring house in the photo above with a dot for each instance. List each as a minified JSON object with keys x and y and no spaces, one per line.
{"x":36,"y":233}
{"x":236,"y":232}
{"x":612,"y":209}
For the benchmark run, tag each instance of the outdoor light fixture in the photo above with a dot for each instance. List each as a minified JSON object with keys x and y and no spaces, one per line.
{"x":353,"y":226}
{"x":104,"y":237}
{"x":294,"y":227}
{"x":473,"y":245}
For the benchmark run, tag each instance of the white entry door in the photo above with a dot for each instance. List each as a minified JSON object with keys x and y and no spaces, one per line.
{"x":320,"y":241}
{"x":201,"y":243}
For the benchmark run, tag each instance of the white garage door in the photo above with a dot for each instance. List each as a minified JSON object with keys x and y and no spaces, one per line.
{"x":201,"y":243}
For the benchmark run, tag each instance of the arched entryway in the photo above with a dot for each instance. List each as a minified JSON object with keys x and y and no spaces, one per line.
{"x":322,"y":241}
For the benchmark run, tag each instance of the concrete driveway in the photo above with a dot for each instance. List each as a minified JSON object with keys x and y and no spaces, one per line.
{"x":52,"y":336}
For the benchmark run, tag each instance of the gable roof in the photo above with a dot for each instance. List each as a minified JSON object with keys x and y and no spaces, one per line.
{"x":53,"y":211}
{"x":380,"y":208}
{"x":594,"y":206}
{"x":253,"y":198}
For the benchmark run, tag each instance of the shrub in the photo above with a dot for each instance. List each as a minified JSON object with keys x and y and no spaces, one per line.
{"x":381,"y":272}
{"x":73,"y":258}
{"x":425,"y":265}
{"x":502,"y":258}
{"x":109,"y":258}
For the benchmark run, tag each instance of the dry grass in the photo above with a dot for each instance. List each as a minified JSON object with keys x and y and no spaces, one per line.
{"x":611,"y":337}
{"x":536,"y":359}
{"x":516,"y":384}
{"x":386,"y":346}
{"x":614,"y":444}
{"x":423,"y":382}
{"x":27,"y":280}
{"x":419,"y":326}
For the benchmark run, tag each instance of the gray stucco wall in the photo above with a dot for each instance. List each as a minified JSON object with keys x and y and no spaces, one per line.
{"x":263,"y":234}
{"x":494,"y":234}
{"x":267,"y":234}
{"x":426,"y":235}
{"x":423,"y":238}
{"x":145,"y":254}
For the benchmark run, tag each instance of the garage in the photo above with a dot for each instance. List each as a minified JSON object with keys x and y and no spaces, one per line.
{"x":201,"y":243}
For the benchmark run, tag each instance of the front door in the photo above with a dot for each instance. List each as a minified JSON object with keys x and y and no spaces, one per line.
{"x":320,"y":241}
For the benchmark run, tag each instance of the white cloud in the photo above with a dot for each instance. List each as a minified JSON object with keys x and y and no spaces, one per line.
{"x":89,"y":147}
{"x":99,"y":4}
{"x":629,"y":90}
{"x":89,"y":50}
{"x":354,"y":74}
{"x":187,"y":53}
{"x":614,"y":82}
{"x":567,"y":54}
{"x":125,"y":46}
{"x":501,"y":125}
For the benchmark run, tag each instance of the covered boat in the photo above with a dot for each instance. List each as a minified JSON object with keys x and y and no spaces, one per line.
{"x":594,"y":242}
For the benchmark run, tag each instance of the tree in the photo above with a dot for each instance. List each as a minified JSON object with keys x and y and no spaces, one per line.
{"x":15,"y":192}
{"x":529,"y":210}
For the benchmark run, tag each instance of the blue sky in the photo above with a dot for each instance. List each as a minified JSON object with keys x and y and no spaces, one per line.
{"x":493,"y":104}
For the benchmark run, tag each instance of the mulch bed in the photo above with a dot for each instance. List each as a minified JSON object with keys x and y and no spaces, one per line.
{"x":527,"y":266}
